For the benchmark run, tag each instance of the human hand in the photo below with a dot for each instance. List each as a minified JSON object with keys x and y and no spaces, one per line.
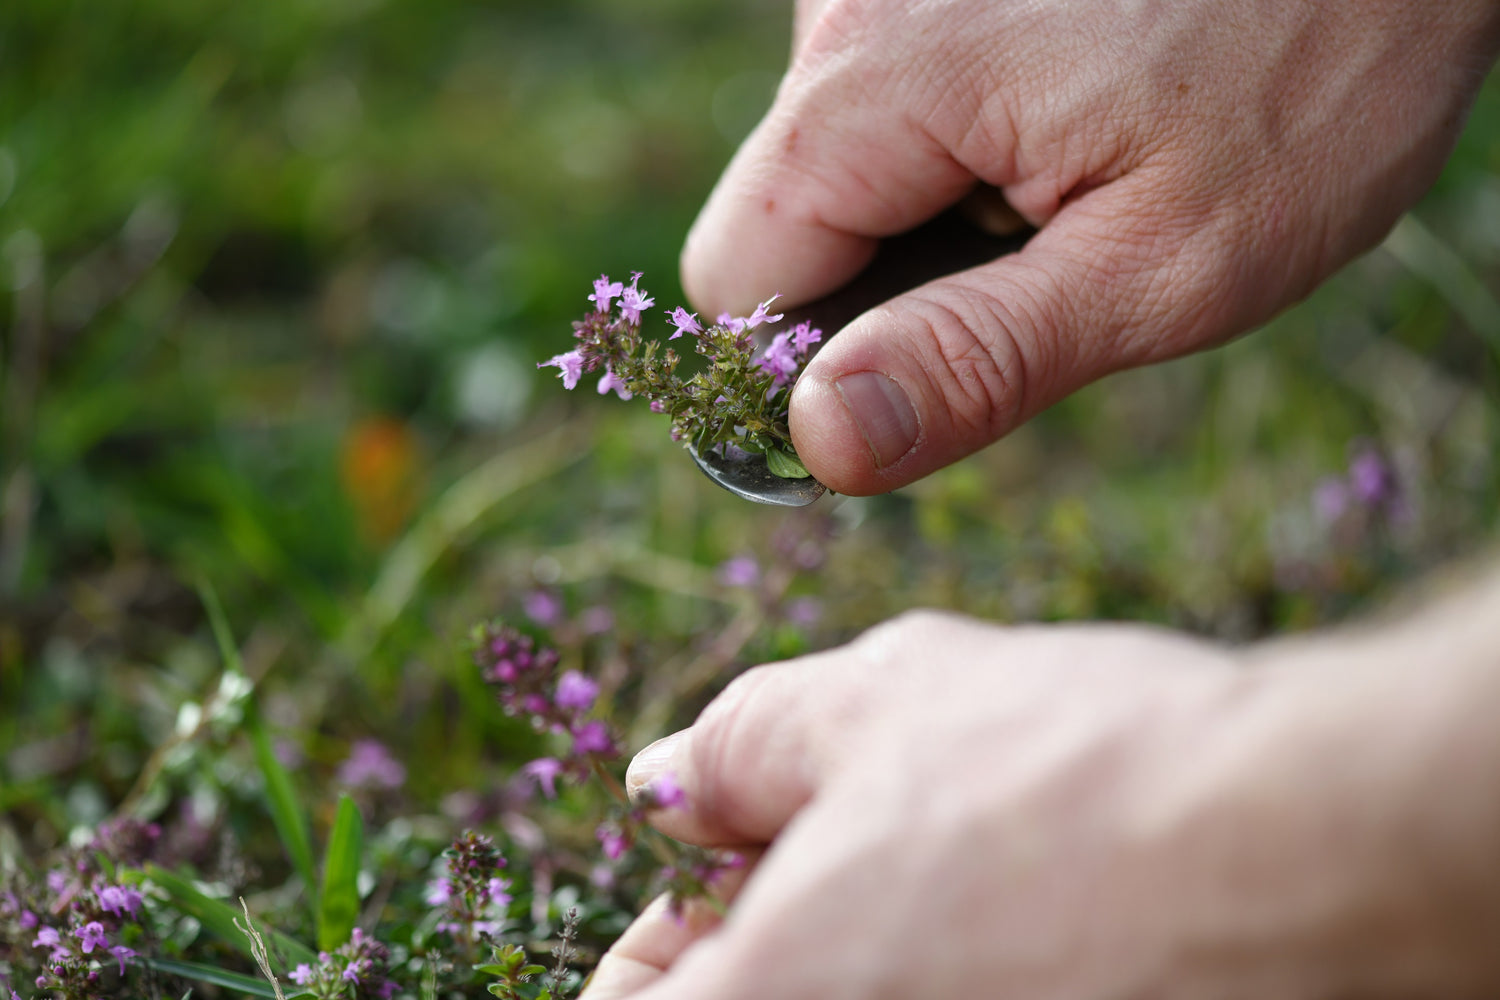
{"x":960,"y":809}
{"x":1195,"y":166}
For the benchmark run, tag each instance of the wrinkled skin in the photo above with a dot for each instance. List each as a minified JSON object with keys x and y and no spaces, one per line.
{"x":961,"y":809}
{"x":1195,"y":165}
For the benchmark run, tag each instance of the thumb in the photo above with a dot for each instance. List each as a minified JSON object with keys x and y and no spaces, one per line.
{"x":752,"y":759}
{"x":939,"y":372}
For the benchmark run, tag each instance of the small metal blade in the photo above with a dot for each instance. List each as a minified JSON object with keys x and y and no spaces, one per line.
{"x":746,"y":475}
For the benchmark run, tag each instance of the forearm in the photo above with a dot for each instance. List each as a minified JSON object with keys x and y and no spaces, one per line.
{"x":1376,"y":750}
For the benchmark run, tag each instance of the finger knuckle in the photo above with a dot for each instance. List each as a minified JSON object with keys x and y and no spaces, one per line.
{"x":978,"y":363}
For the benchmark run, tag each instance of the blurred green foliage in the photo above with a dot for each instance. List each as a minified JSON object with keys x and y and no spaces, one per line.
{"x":276,"y":277}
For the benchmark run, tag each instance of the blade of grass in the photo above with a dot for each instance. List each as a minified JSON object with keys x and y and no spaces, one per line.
{"x":338,"y":902}
{"x":1425,"y":254}
{"x":248,"y":985}
{"x":228,"y":651}
{"x":286,"y":811}
{"x":217,"y":917}
{"x":281,"y":798}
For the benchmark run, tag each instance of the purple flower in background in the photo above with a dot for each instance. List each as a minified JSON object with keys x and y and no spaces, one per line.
{"x":804,"y":611}
{"x":47,"y":937}
{"x":570,"y":365}
{"x":609,"y":380}
{"x":543,"y":607}
{"x":1371,"y":478}
{"x":370,"y":765}
{"x":575,"y":692}
{"x":302,"y":974}
{"x":740,"y":571}
{"x":604,"y":291}
{"x":685,"y":322}
{"x":613,"y":840}
{"x":544,"y":771}
{"x":598,"y":619}
{"x":633,"y":300}
{"x":119,"y":900}
{"x":592,"y":738}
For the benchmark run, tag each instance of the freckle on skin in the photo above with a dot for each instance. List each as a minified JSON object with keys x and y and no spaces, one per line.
{"x":770,"y":205}
{"x":791,"y":140}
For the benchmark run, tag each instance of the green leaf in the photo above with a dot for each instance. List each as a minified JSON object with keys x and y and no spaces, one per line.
{"x":286,"y":811}
{"x":218,"y":917}
{"x":338,"y":903}
{"x":749,"y":444}
{"x":785,"y":464}
{"x":248,"y":985}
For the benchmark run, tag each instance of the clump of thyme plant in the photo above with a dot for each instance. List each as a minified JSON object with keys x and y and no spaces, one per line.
{"x":739,"y":400}
{"x":524,"y":676}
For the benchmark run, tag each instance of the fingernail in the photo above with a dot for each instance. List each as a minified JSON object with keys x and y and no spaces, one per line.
{"x":883,"y":413}
{"x":650,"y":762}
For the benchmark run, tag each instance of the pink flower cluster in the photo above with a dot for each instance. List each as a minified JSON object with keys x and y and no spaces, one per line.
{"x":357,"y":969}
{"x":85,"y":921}
{"x":471,"y":894}
{"x":524,"y":677}
{"x":788,"y":352}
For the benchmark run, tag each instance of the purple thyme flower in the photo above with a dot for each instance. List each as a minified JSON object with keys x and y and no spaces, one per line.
{"x":665,"y":793}
{"x":740,"y":571}
{"x":633,"y":301}
{"x":1371,"y":478}
{"x":570,"y":365}
{"x":370,"y":765}
{"x":609,"y":380}
{"x":593,"y":738}
{"x":604,"y":291}
{"x":598,"y":619}
{"x":779,"y":359}
{"x":545,"y":772}
{"x":47,"y":937}
{"x":122,"y":953}
{"x":804,"y":611}
{"x":543,"y":607}
{"x":302,"y":974}
{"x":613,"y":840}
{"x":575,"y":692}
{"x":734,"y":324}
{"x":91,"y":935}
{"x":119,"y":900}
{"x":804,"y":335}
{"x":685,"y":322}
{"x":760,"y":316}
